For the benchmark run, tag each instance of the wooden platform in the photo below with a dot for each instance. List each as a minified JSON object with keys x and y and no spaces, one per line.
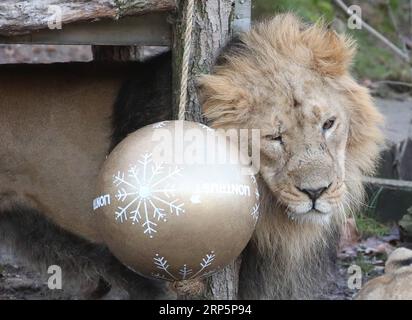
{"x":149,"y":30}
{"x":103,"y":22}
{"x":23,"y":17}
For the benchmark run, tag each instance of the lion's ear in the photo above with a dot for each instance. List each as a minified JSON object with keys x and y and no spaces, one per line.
{"x":365,"y":134}
{"x":316,"y":46}
{"x":332,"y":53}
{"x":222,"y":101}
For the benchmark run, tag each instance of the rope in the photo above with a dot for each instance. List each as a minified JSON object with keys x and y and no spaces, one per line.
{"x":186,"y":288}
{"x":186,"y":59}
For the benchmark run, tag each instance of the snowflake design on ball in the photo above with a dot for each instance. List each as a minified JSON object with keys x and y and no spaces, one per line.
{"x":160,"y":124}
{"x":185,"y":273}
{"x":255,"y":209}
{"x":142,"y":195}
{"x":207,"y":128}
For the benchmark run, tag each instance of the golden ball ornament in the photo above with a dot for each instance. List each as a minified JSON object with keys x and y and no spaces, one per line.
{"x":172,"y":204}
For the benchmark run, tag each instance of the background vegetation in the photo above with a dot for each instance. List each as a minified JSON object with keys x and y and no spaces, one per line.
{"x":374,"y":61}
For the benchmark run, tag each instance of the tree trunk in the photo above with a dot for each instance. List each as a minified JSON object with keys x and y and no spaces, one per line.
{"x":22,"y":17}
{"x":212,"y":28}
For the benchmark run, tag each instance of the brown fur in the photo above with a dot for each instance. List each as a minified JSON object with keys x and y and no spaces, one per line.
{"x":395,"y":284}
{"x":55,"y":131}
{"x":282,"y":78}
{"x":54,"y":135}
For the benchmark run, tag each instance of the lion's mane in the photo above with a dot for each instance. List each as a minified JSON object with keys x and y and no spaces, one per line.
{"x":286,"y":259}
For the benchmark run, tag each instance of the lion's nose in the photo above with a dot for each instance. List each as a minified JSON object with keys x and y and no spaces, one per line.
{"x":314,"y":194}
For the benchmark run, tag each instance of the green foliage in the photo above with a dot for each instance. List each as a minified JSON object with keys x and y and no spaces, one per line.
{"x":366,"y":221}
{"x":368,"y":226}
{"x":365,"y":265}
{"x":373,"y":61}
{"x":394,"y":4}
{"x":310,"y":10}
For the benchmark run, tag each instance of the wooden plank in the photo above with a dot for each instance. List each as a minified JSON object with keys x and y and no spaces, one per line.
{"x":388,"y":199}
{"x":148,"y":30}
{"x":243,"y":13}
{"x":23,"y":17}
{"x":389,"y":183}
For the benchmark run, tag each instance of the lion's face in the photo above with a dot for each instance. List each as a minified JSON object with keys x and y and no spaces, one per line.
{"x":304,"y":127}
{"x":319,"y":130}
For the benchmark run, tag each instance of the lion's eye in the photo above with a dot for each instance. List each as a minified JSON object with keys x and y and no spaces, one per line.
{"x":274,"y":137}
{"x":329,"y":123}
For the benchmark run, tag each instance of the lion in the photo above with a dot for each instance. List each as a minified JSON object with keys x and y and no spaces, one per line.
{"x":320,"y":132}
{"x":395,"y":284}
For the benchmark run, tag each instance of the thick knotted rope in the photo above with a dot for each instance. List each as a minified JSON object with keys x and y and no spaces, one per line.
{"x":186,"y":288}
{"x":186,"y":59}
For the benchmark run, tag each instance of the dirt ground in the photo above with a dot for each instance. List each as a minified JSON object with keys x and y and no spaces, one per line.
{"x":19,"y":282}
